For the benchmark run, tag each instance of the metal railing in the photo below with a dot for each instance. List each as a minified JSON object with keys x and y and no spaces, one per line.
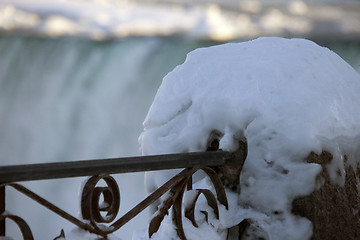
{"x":95,"y":214}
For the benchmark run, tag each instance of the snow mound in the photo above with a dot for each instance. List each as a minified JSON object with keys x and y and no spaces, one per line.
{"x":286,"y":97}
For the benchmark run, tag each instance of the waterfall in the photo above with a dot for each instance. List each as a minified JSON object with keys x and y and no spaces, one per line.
{"x":75,"y":99}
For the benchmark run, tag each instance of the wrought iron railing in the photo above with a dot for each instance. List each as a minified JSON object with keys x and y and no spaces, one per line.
{"x":218,"y":165}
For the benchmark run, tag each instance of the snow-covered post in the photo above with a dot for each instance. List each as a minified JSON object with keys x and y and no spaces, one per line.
{"x":294,"y":104}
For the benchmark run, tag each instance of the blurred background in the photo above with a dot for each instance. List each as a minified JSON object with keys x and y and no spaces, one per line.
{"x":78,"y":76}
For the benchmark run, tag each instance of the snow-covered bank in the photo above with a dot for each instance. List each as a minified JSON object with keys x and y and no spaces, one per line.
{"x":216,"y":20}
{"x":286,"y":98}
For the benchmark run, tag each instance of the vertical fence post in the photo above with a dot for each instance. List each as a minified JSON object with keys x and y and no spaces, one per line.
{"x":2,"y":210}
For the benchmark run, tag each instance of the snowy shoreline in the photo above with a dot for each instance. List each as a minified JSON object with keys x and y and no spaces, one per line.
{"x":220,"y":22}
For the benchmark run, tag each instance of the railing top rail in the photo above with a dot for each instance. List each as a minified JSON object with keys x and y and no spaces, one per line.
{"x":42,"y":171}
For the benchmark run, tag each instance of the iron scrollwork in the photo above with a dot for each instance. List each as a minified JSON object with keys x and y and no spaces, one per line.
{"x":99,"y":217}
{"x":92,"y":209}
{"x":176,"y":201}
{"x":23,"y":226}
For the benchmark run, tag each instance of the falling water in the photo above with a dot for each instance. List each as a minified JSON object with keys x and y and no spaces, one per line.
{"x":72,"y":99}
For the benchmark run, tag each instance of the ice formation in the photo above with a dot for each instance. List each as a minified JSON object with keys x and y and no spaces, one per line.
{"x":286,"y":97}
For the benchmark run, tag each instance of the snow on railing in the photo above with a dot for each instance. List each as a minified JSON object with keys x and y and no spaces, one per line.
{"x":94,"y":213}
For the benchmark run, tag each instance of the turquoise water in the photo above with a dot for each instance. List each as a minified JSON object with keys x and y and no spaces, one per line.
{"x":72,"y":98}
{"x":64,"y":99}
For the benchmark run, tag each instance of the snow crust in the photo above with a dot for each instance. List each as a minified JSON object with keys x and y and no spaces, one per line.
{"x":286,"y":97}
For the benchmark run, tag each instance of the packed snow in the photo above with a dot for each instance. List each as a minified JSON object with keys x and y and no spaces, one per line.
{"x":286,"y":97}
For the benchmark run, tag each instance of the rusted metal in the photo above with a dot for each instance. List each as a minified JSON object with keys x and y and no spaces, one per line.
{"x":211,"y":200}
{"x":51,"y":206}
{"x":243,"y":225}
{"x":61,"y":236}
{"x":28,"y":172}
{"x":2,"y":210}
{"x":177,"y":213}
{"x":91,"y":208}
{"x":230,"y":172}
{"x":23,"y":226}
{"x":175,"y":199}
{"x":97,"y":214}
{"x":219,"y":187}
{"x":151,"y":198}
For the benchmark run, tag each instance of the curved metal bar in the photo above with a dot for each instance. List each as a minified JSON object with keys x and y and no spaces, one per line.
{"x":23,"y":226}
{"x":218,"y":185}
{"x":155,"y":222}
{"x":177,"y":190}
{"x":177,"y":206}
{"x":211,"y":201}
{"x":182,"y":179}
{"x":91,"y":208}
{"x":176,"y":201}
{"x":153,"y":197}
